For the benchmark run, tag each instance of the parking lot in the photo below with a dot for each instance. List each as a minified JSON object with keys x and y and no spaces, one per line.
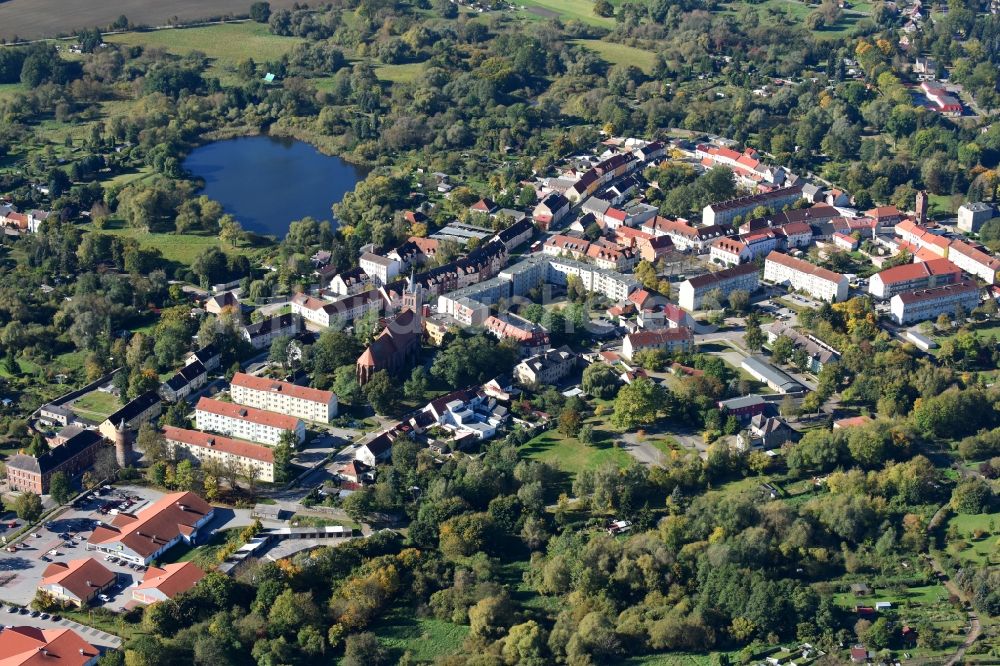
{"x":64,"y":539}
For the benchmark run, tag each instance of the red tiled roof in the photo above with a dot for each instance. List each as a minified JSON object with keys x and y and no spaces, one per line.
{"x":236,"y":447}
{"x":80,"y":577}
{"x":804,"y":267}
{"x":272,"y":419}
{"x":908,"y":297}
{"x":31,"y":646}
{"x":909,"y":272}
{"x":975,"y":254}
{"x":171,"y":579}
{"x":645,"y":338}
{"x":286,"y":388}
{"x":156,"y":525}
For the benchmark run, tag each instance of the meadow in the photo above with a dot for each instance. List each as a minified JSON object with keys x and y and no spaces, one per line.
{"x":178,"y":248}
{"x":620,"y":54}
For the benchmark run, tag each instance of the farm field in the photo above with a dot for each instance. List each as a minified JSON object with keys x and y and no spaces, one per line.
{"x":34,"y":19}
{"x":620,"y":54}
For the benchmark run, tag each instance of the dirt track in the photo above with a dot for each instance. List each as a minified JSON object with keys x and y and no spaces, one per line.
{"x":34,"y":19}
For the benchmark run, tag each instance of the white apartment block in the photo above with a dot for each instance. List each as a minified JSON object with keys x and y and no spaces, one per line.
{"x":286,"y":398}
{"x":974,"y":261}
{"x":546,"y":368}
{"x":692,"y":291}
{"x":230,"y":453}
{"x":380,"y":269}
{"x":241,"y":422}
{"x":798,"y":274}
{"x":323,"y":313}
{"x":913,"y":306}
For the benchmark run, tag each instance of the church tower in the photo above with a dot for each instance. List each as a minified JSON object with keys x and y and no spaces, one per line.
{"x":412,"y":295}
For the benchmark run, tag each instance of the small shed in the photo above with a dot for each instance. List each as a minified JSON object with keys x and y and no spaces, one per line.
{"x":861,"y":589}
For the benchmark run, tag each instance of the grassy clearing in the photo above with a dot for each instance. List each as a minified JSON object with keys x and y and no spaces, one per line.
{"x":981,"y":551}
{"x":404,"y":73}
{"x":226,"y":44}
{"x":180,"y":248}
{"x":569,"y":455}
{"x":620,"y":54}
{"x":96,"y":404}
{"x":425,"y":638}
{"x":921,"y":595}
{"x":568,"y":10}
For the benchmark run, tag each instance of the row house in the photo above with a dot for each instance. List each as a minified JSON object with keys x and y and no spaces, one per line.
{"x":692,"y":292}
{"x":923,"y":304}
{"x":812,"y":215}
{"x":724,"y":212}
{"x":348,"y":283}
{"x":609,"y":256}
{"x":566,"y":246}
{"x":286,"y":398}
{"x":185,"y":381}
{"x":975,"y":261}
{"x":922,"y":238}
{"x":516,"y":234}
{"x":729,"y":252}
{"x":911,"y":277}
{"x":230,"y":453}
{"x":884,"y":216}
{"x":550,"y":210}
{"x":685,"y":236}
{"x":247,"y":423}
{"x":530,"y":337}
{"x":818,"y":282}
{"x":347,"y":309}
{"x":747,"y":167}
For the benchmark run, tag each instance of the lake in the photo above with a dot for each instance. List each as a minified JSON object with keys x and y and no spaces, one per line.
{"x":267,"y":183}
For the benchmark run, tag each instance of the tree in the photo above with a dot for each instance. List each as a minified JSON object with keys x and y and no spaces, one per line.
{"x":279,"y":352}
{"x":638,"y":404}
{"x":364,"y":649}
{"x":600,"y":381}
{"x":345,"y":384}
{"x":739,"y":300}
{"x":28,"y":507}
{"x":260,"y":11}
{"x":382,"y":392}
{"x":37,"y":447}
{"x":151,"y":442}
{"x":972,"y":495}
{"x":185,"y":476}
{"x":753,"y":337}
{"x":570,"y":422}
{"x":586,"y":435}
{"x":59,"y":488}
{"x":415,"y":387}
{"x":782,"y":349}
{"x":604,"y":8}
{"x":283,"y":453}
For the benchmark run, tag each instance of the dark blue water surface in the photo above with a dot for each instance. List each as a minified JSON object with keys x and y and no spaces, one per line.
{"x":266,"y":182}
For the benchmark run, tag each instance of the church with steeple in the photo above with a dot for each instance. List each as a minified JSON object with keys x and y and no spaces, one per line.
{"x":397,"y":346}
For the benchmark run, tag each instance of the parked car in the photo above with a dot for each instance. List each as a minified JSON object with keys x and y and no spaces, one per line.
{"x":103,"y":597}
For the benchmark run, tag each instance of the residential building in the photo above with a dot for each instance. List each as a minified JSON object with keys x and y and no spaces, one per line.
{"x":729,"y":252}
{"x":684,"y":235}
{"x":884,"y":216}
{"x":922,"y":238}
{"x":747,"y":168}
{"x":612,"y":284}
{"x":229,"y":453}
{"x":54,"y":414}
{"x":346,"y":309}
{"x":764,"y":372}
{"x":219,"y":303}
{"x":242,"y":422}
{"x":376,"y":450}
{"x":765,"y":432}
{"x":166,"y":582}
{"x":549,"y":367}
{"x":667,"y":340}
{"x":845,"y":242}
{"x":972,"y":216}
{"x":141,"y":410}
{"x":380,"y":269}
{"x":975,"y":261}
{"x":565,"y":246}
{"x":516,"y":234}
{"x":818,"y":282}
{"x":484,"y":206}
{"x":724,"y":212}
{"x":467,"y":413}
{"x":817,"y":352}
{"x":286,"y":398}
{"x":209,"y":356}
{"x":27,"y":473}
{"x":910,"y":277}
{"x":266,"y":331}
{"x":611,"y":257}
{"x":653,"y":150}
{"x":692,"y":291}
{"x":923,"y":304}
{"x":142,"y":538}
{"x":185,"y":381}
{"x":654,"y":249}
{"x":350,"y":282}
{"x":32,"y":646}
{"x":76,"y":582}
{"x":530,"y":337}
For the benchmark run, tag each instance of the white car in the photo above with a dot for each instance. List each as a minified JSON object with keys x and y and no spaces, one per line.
{"x":103,"y":597}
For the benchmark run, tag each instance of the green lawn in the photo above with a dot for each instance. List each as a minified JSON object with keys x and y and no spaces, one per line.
{"x":569,"y":455}
{"x":96,"y":405}
{"x":425,"y":638}
{"x":180,"y":248}
{"x":620,"y":54}
{"x":925,"y":594}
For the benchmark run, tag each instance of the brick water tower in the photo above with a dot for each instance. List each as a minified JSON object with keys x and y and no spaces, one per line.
{"x":123,"y":445}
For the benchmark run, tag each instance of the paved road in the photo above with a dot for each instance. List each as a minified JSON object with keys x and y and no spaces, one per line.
{"x":95,"y":637}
